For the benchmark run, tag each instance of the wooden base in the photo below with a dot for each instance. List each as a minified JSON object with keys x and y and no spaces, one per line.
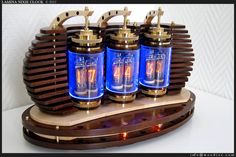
{"x":110,"y":124}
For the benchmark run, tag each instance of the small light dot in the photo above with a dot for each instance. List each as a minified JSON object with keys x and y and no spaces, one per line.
{"x":57,"y":127}
{"x":124,"y":135}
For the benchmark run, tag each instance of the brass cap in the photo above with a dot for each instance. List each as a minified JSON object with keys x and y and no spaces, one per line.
{"x":158,"y":33}
{"x":88,"y":105}
{"x":86,"y":36}
{"x":122,"y":98}
{"x":124,"y":33}
{"x":154,"y":92}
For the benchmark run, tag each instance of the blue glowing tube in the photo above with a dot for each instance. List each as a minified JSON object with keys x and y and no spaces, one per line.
{"x":122,"y":71}
{"x":155,"y":66}
{"x":85,"y":73}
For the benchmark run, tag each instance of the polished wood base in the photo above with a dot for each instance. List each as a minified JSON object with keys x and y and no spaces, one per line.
{"x":110,"y":124}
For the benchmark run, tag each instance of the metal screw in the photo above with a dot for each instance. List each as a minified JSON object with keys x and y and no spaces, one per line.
{"x":57,"y":139}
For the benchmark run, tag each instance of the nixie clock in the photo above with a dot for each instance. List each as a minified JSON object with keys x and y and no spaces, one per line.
{"x":91,"y":83}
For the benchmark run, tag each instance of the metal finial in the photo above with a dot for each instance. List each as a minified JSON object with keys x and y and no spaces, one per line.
{"x":125,"y":17}
{"x":86,"y":18}
{"x":87,"y":13}
{"x":160,"y":12}
{"x":172,"y":23}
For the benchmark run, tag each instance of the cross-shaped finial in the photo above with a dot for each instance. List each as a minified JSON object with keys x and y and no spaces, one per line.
{"x":87,"y":13}
{"x":126,"y":13}
{"x":160,"y":12}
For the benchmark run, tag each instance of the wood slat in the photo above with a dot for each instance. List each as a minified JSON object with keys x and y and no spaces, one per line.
{"x":57,"y":106}
{"x":29,"y":65}
{"x":42,"y":44}
{"x":175,"y":65}
{"x":47,"y":88}
{"x":46,"y":50}
{"x":47,"y":30}
{"x":40,"y":76}
{"x":52,"y":101}
{"x":180,"y":80}
{"x":44,"y":69}
{"x":44,"y":37}
{"x":49,"y":94}
{"x":177,"y":75}
{"x":45,"y":81}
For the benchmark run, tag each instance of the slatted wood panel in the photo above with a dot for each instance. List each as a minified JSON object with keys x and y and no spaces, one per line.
{"x":182,"y":57}
{"x":45,"y":71}
{"x":45,"y":67}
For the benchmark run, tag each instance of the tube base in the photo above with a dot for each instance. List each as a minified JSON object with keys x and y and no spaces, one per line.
{"x":87,"y":104}
{"x":124,"y":98}
{"x":153,"y":92}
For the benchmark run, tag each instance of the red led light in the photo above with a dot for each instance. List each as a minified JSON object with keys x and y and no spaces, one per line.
{"x":157,"y":127}
{"x":124,"y":135}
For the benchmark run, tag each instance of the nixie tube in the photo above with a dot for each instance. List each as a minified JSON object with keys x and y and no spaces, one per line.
{"x":122,"y":66}
{"x":155,"y":54}
{"x":86,"y":84}
{"x":85,"y":68}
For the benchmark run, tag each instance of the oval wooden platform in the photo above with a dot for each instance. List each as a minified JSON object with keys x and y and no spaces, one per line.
{"x":143,"y":119}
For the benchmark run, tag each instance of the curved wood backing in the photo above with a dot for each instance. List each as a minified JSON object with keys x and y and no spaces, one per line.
{"x":114,"y":130}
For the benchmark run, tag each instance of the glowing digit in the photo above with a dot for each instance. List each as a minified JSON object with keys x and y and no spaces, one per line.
{"x":117,"y":72}
{"x":150,"y":69}
{"x":91,"y":73}
{"x":159,"y":67}
{"x":78,"y":77}
{"x":128,"y":71}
